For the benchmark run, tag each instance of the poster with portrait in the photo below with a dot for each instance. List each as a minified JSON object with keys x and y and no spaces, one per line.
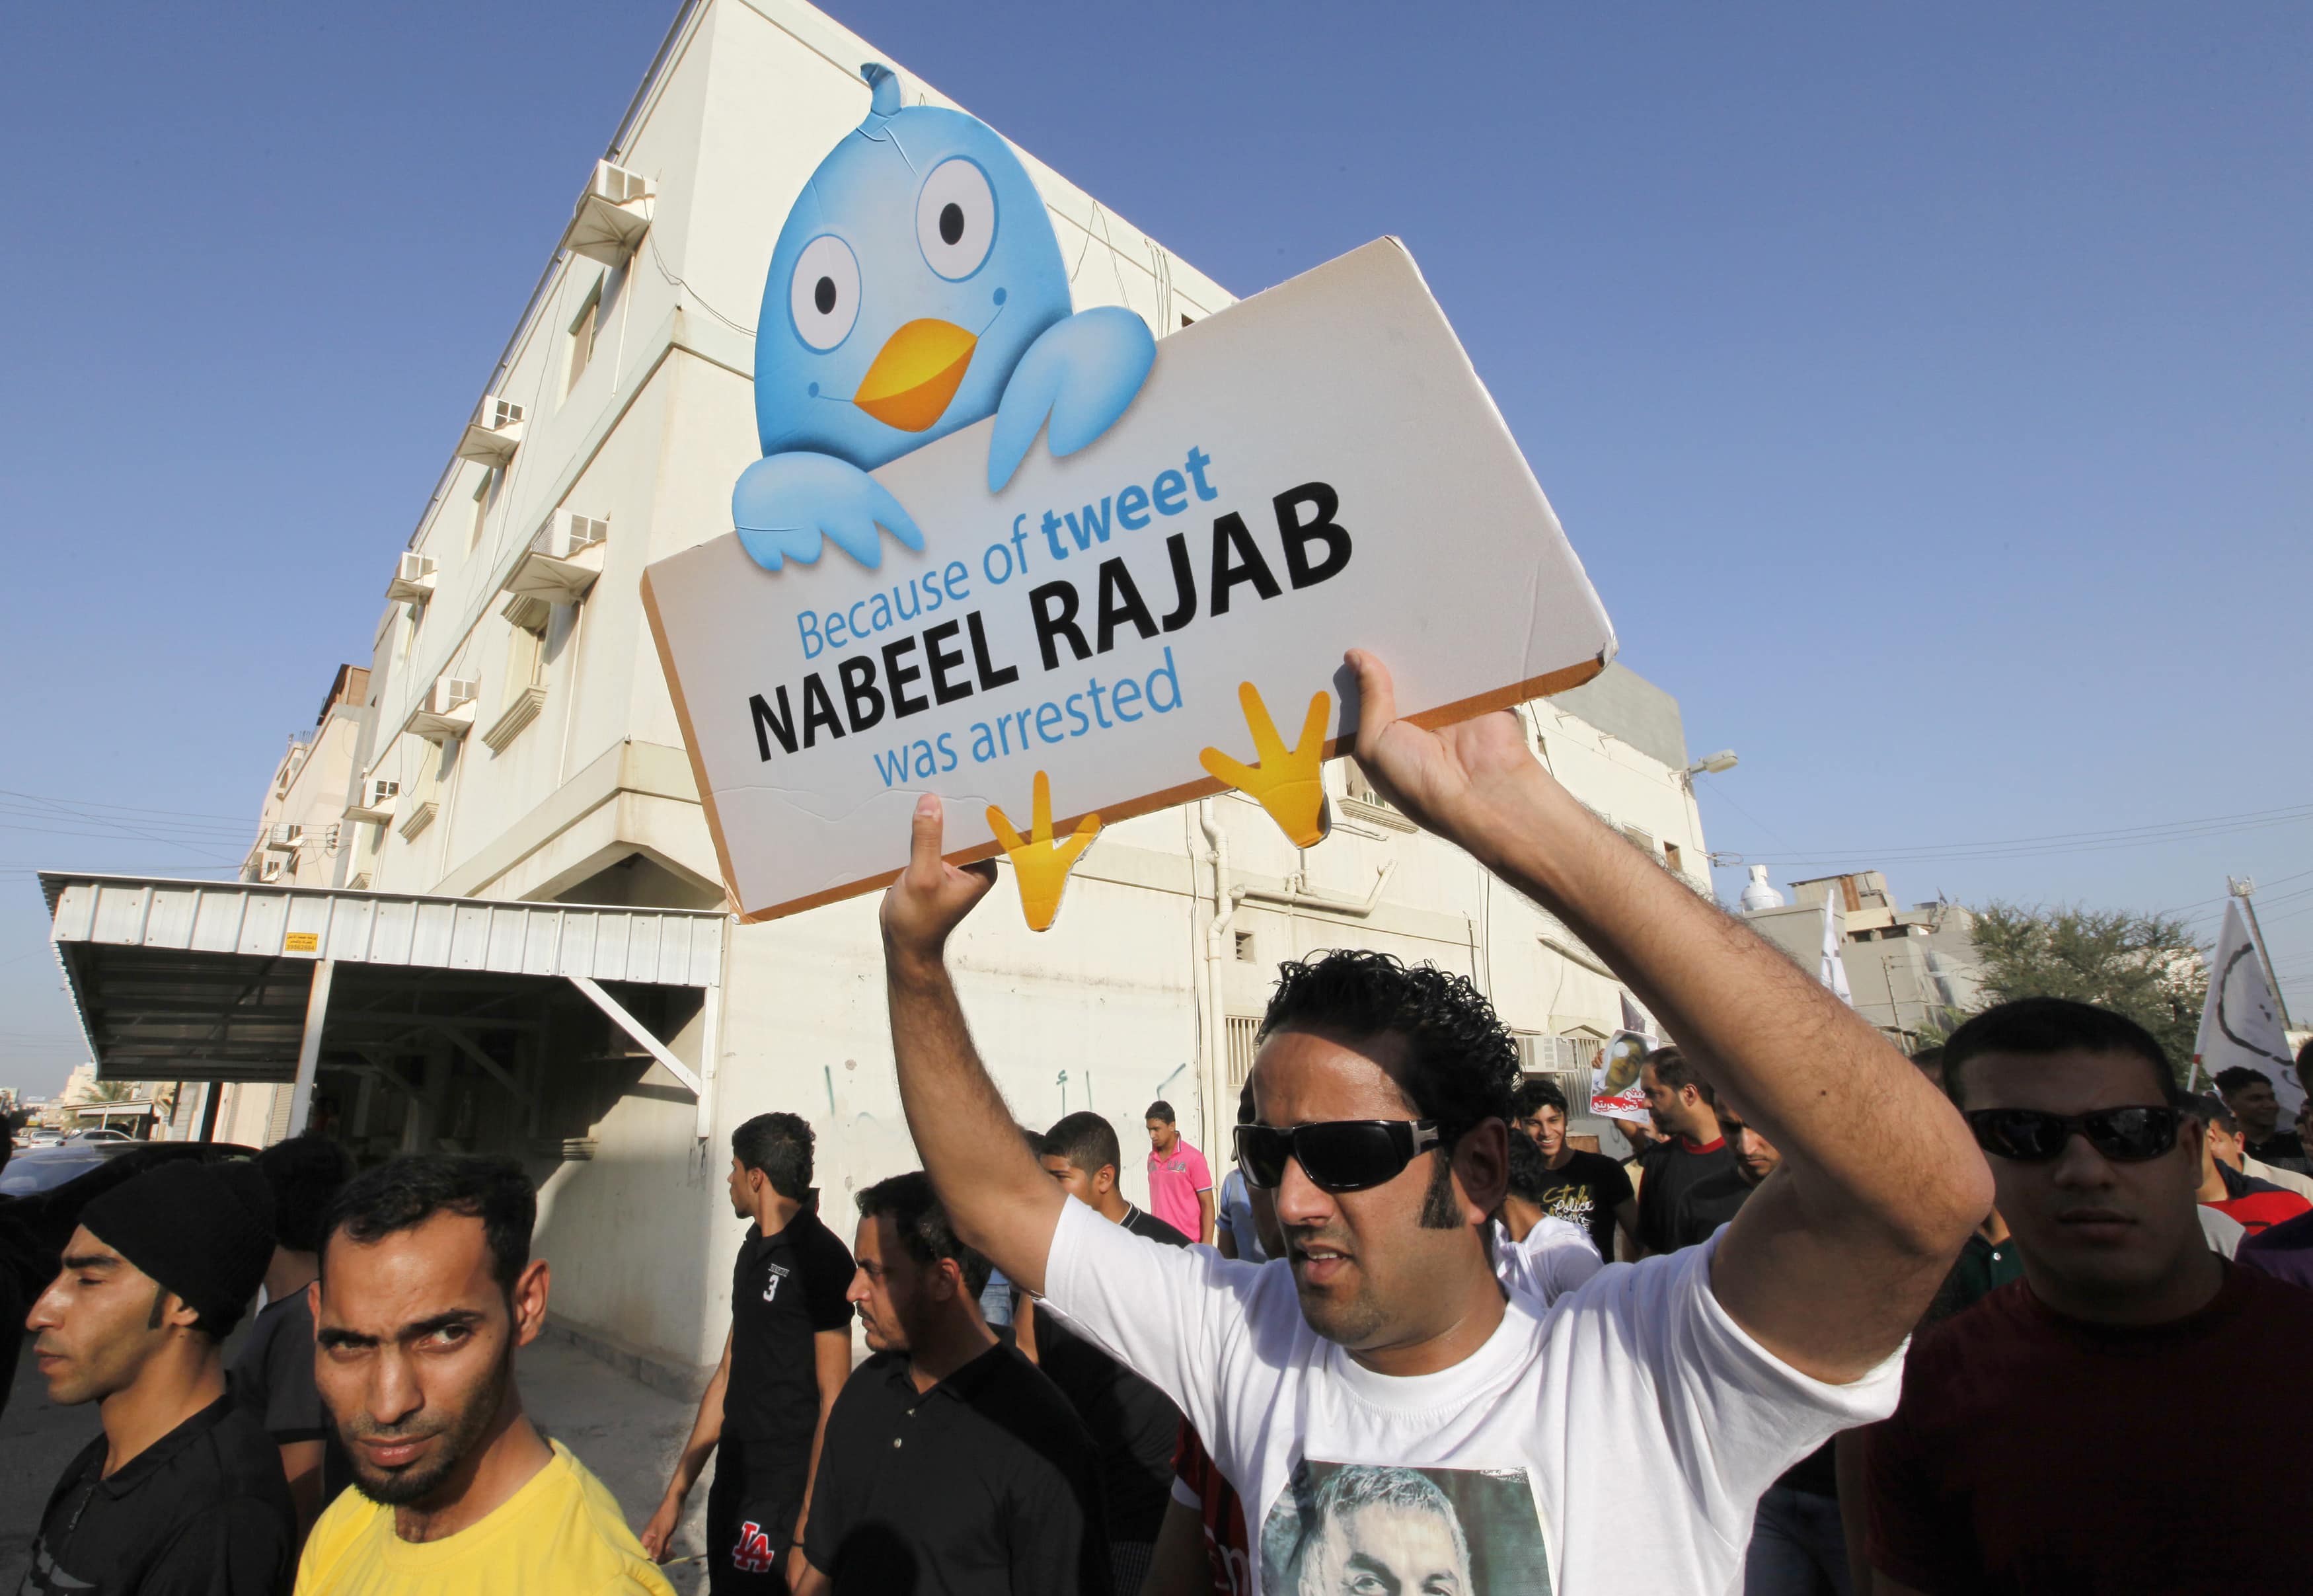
{"x":1614,"y":1091}
{"x":1356,"y":1527}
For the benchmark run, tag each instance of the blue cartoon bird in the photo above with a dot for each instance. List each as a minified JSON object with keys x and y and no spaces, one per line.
{"x":917,"y":288}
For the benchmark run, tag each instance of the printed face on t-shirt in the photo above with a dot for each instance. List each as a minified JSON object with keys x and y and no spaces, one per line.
{"x":1388,"y":1548}
{"x":1375,"y":1529}
{"x":1369,"y":1272}
{"x":2088,"y":1224}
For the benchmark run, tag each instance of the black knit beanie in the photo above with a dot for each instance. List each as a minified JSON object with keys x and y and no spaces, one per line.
{"x":204,"y":1232}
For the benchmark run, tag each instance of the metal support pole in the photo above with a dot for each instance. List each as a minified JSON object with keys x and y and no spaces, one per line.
{"x":212,"y":1099}
{"x":641,"y":1033}
{"x":309,"y":1046}
{"x":2245,"y":889}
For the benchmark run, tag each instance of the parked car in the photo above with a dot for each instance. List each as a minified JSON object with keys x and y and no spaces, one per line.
{"x":99,"y":1133}
{"x":42,"y":1137}
{"x":54,"y":1172}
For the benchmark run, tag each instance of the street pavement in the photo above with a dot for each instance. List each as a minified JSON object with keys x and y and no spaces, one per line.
{"x":624,"y":1430}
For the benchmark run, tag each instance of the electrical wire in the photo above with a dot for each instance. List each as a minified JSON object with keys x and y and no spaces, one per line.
{"x":31,"y":797}
{"x":650,"y":242}
{"x":2057,"y":843}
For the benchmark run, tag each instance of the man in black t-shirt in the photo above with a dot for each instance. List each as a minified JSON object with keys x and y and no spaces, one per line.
{"x":1681,"y":1104}
{"x":182,"y":1492}
{"x":273,"y":1371}
{"x":1134,"y":1426}
{"x":2248,"y":1093}
{"x":951,"y":1464}
{"x":787,"y":1355}
{"x":1584,"y":1188}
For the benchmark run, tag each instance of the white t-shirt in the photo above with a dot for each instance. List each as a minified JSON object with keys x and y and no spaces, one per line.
{"x":1616,"y":1441}
{"x":1555,"y":1258}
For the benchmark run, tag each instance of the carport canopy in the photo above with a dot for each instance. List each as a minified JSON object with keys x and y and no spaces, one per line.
{"x":202,"y":982}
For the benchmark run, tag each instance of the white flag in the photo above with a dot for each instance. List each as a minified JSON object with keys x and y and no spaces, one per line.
{"x":2240,"y":1024}
{"x":1835,"y":968}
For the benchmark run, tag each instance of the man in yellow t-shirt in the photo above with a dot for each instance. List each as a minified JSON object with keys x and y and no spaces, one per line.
{"x":428,"y":1287}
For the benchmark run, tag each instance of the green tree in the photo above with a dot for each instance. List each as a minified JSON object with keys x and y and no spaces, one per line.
{"x":2147,"y":967}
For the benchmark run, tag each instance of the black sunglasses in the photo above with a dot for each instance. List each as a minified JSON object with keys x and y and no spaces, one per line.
{"x":1337,"y":1155}
{"x":2125,"y":1135}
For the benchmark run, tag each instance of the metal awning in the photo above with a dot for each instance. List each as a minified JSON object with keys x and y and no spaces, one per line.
{"x":198,"y":981}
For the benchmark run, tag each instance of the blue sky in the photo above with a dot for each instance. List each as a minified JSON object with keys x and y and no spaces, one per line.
{"x":1926,"y":391}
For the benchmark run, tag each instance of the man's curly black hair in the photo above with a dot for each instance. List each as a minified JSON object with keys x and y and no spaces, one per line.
{"x":1462,"y":1063}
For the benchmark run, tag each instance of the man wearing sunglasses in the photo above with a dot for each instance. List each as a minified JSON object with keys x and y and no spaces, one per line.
{"x":2047,"y":1440}
{"x":1687,"y":1382}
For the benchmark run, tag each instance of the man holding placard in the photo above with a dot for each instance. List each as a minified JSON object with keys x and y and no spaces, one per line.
{"x":1382,"y":1093}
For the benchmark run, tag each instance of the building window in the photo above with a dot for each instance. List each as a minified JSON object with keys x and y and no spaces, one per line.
{"x":583,"y":329}
{"x":1671,"y":856}
{"x":1245,"y":949}
{"x":524,"y":651}
{"x":525,"y":690}
{"x":481,"y":509}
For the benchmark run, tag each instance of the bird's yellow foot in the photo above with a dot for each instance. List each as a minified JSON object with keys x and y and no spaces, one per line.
{"x":1041,"y":864}
{"x":1289,"y":783}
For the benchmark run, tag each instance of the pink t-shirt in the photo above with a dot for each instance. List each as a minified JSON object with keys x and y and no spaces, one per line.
{"x":1175,"y":1179}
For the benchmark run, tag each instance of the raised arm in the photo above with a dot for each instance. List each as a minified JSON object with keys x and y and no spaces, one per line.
{"x":1831,"y":1264}
{"x":1001,"y":1201}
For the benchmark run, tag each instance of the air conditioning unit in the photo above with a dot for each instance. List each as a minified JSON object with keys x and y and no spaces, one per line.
{"x":567,"y":532}
{"x":372,"y":800}
{"x":413,"y":579}
{"x":611,"y":216}
{"x":284,"y":835}
{"x":447,"y":711}
{"x":494,"y":433}
{"x":359,"y":883}
{"x":616,"y":185}
{"x":268,"y":870}
{"x":564,"y":558}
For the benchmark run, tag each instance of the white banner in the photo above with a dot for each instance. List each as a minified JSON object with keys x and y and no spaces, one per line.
{"x":2240,"y":1023}
{"x":1315,"y":468}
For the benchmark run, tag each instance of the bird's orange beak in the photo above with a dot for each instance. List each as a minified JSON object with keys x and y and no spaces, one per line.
{"x":916,"y":374}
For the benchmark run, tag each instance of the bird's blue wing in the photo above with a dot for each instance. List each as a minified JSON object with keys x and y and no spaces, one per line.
{"x":786,"y":503}
{"x":1083,"y":373}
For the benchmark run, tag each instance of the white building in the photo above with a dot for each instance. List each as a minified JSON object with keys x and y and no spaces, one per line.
{"x":1913,"y":972}
{"x":514,"y":743}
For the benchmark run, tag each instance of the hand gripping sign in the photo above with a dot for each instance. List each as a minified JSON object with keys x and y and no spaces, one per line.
{"x":916,"y":597}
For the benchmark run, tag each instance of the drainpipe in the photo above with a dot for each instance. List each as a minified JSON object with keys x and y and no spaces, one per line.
{"x":1214,"y":1083}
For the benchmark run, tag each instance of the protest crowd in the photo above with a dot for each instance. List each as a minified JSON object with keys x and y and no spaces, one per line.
{"x":2019,"y":1314}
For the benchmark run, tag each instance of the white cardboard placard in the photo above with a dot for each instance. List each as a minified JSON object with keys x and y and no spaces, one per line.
{"x":1322,"y":452}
